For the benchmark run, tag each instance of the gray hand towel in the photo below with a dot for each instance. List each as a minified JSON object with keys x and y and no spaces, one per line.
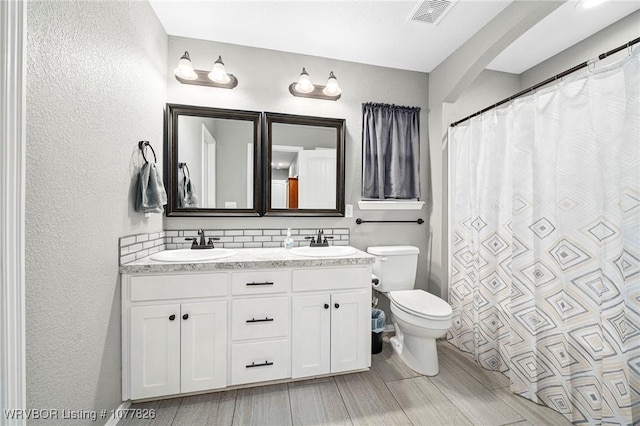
{"x":151,"y":195}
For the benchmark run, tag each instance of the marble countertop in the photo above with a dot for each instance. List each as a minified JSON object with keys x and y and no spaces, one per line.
{"x":248,"y":258}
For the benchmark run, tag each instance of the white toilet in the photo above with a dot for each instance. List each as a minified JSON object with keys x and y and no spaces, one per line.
{"x":419,"y":317}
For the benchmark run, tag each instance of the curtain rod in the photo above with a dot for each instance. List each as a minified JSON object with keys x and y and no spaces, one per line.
{"x":551,"y":79}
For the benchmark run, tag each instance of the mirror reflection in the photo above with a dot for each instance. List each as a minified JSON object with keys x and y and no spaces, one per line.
{"x":213,"y":161}
{"x":306,"y":170}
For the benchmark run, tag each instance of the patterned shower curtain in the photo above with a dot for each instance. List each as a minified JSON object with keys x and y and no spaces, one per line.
{"x":545,"y":244}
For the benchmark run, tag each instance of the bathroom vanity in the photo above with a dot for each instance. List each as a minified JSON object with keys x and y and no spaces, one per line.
{"x":261,"y":316}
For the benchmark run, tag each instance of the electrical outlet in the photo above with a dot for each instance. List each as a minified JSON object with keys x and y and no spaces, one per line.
{"x":348,"y":210}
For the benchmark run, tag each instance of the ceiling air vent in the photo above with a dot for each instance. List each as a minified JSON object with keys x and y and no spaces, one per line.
{"x":431,"y":11}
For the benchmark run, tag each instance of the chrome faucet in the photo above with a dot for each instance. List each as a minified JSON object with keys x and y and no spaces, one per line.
{"x":319,"y":241}
{"x":199,"y":245}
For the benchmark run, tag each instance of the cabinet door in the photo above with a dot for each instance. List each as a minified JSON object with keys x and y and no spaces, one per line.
{"x":310,"y":330}
{"x":204,"y":346}
{"x":350,"y":331}
{"x":155,"y":351}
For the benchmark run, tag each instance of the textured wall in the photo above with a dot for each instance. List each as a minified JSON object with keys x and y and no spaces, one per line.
{"x":264,"y":77}
{"x":96,"y":84}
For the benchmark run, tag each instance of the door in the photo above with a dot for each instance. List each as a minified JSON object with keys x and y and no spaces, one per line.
{"x":350,"y":331}
{"x":203,"y":346}
{"x":155,"y":351}
{"x":310,"y":331}
{"x":317,"y":179}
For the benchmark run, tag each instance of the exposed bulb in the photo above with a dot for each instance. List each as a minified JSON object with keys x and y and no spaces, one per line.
{"x":332,"y":88}
{"x":304,"y":83}
{"x":219,"y":74}
{"x":185,"y":68}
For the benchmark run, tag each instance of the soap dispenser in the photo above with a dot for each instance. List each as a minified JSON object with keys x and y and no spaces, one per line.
{"x":288,"y":240}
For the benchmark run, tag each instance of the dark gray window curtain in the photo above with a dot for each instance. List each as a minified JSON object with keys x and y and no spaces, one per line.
{"x":390,"y":151}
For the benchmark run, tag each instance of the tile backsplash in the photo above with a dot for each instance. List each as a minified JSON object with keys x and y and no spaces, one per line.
{"x":134,"y":247}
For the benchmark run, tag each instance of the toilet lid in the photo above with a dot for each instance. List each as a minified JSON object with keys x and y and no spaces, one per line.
{"x":420,"y":303}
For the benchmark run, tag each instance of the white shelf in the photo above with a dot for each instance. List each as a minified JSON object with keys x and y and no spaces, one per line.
{"x":390,"y":205}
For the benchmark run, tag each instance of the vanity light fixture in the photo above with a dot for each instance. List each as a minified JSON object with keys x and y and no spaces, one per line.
{"x":305,"y":89}
{"x":217,"y":77}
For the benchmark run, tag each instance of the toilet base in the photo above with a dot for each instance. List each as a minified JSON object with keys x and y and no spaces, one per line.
{"x":419,"y":353}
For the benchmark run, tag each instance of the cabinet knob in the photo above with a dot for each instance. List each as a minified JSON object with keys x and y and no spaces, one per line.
{"x":337,"y":305}
{"x":172,"y":317}
{"x":326,"y":306}
{"x":185,"y":316}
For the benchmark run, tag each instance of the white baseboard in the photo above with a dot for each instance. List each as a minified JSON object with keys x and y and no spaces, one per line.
{"x":389,"y":328}
{"x":115,"y":419}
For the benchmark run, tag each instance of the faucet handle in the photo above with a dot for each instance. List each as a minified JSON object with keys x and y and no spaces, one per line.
{"x":211,"y":240}
{"x":195,"y":241}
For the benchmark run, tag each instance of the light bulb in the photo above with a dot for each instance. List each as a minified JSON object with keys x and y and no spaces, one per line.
{"x":332,"y":88}
{"x":304,"y":83}
{"x":185,"y":68}
{"x":218,"y":74}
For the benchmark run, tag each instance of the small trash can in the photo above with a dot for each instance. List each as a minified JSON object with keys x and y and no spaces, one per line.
{"x":377,"y":326}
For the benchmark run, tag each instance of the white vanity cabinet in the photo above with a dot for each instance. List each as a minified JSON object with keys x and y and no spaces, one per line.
{"x":172,"y":345}
{"x":331,"y":311}
{"x":190,"y":328}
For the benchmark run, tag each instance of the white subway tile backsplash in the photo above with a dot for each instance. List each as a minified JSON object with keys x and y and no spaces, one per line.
{"x":272,"y":244}
{"x":134,"y":247}
{"x":128,"y":258}
{"x":242,"y":239}
{"x":125,"y":241}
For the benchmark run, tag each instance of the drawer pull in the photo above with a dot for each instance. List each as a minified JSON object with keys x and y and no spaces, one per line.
{"x":264,"y":364}
{"x":266,"y":319}
{"x":264,"y":283}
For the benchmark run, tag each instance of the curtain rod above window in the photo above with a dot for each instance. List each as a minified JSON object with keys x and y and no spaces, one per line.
{"x":551,"y":79}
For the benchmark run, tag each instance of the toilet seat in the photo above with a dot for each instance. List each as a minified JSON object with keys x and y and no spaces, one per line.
{"x":421,"y":304}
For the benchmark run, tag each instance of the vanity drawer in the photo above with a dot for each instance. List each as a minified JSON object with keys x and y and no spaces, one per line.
{"x":260,"y":318}
{"x":331,"y":279}
{"x":161,"y":287}
{"x":261,"y":282}
{"x":260,"y":361}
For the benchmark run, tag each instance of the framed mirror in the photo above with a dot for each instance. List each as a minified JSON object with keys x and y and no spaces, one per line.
{"x":213,"y":165}
{"x":304,"y":167}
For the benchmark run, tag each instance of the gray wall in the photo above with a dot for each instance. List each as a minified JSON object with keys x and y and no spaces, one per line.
{"x":232,"y":137}
{"x":96,"y":84}
{"x":264,"y":77}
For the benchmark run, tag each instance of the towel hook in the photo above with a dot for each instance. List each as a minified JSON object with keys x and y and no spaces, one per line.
{"x":142,"y":145}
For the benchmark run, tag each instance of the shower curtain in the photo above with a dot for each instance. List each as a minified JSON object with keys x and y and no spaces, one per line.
{"x":545,"y":243}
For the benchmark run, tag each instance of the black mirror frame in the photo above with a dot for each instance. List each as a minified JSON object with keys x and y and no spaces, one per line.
{"x":171,"y":160}
{"x":339,"y":125}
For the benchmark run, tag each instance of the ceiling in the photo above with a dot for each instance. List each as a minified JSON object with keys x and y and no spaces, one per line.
{"x":380,"y":32}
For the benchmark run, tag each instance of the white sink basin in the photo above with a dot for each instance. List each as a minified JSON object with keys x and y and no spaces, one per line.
{"x":188,"y":255}
{"x":331,"y":251}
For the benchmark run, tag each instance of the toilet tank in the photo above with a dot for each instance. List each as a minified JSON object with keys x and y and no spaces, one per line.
{"x":395,"y":266}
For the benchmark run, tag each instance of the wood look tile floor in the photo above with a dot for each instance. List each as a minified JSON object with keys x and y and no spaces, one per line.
{"x":390,"y":394}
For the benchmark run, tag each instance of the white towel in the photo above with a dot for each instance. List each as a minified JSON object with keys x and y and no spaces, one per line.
{"x":151,"y":195}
